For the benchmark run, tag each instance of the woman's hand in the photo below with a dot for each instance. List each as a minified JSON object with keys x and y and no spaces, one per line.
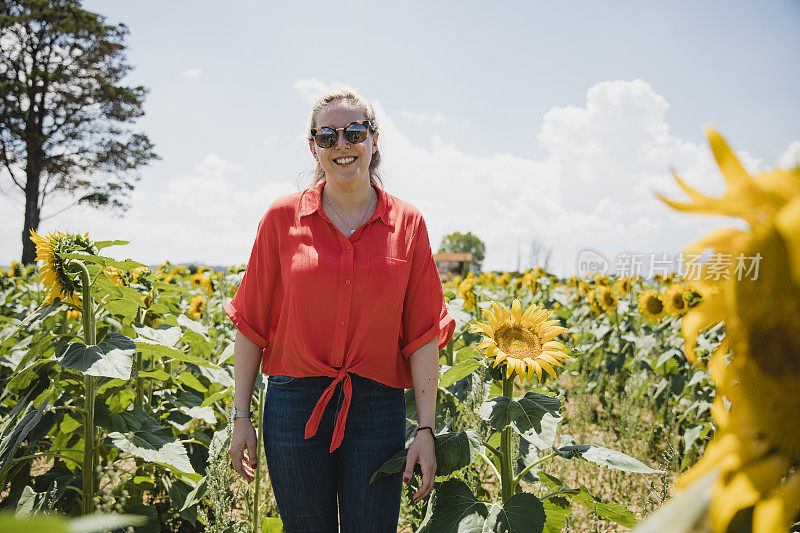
{"x":422,"y":451}
{"x":243,"y":436}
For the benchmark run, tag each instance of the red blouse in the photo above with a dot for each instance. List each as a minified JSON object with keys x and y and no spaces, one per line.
{"x":322,"y":304}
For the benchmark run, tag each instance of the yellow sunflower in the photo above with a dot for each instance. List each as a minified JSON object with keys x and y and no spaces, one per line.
{"x":594,"y":303}
{"x":583,"y":288}
{"x":675,"y":301}
{"x":756,"y":450}
{"x":521,"y":340}
{"x":196,"y":306}
{"x":528,"y":280}
{"x":114,"y":275}
{"x":53,"y":272}
{"x":651,"y":306}
{"x":138,"y":273}
{"x":606,"y":298}
{"x":465,"y":291}
{"x":601,"y":281}
{"x":623,"y":285}
{"x":504,"y":279}
{"x":199,"y":280}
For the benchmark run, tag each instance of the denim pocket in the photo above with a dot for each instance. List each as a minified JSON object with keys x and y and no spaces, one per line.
{"x":280,"y":380}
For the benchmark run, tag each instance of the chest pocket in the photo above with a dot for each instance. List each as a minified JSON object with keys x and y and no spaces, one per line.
{"x":388,"y":277}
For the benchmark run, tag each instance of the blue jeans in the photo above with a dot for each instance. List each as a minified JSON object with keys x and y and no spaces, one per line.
{"x":306,"y":478}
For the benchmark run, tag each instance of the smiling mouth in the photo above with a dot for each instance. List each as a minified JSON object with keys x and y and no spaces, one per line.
{"x":345,"y":161}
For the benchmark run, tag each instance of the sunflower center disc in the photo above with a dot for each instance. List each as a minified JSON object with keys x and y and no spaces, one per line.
{"x":518,"y":342}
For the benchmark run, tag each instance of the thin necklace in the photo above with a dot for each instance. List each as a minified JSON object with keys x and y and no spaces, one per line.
{"x":342,"y":218}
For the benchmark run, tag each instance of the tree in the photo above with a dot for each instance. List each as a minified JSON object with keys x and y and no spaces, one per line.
{"x":63,"y":109}
{"x":465,"y":243}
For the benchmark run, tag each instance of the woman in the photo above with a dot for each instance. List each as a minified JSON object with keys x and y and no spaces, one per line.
{"x":341,"y":298}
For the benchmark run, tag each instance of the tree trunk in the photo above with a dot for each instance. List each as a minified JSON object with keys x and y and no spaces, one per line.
{"x":32,"y":172}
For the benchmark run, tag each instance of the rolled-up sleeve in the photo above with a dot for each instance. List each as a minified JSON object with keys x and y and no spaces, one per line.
{"x":424,"y":311}
{"x":251,"y":308}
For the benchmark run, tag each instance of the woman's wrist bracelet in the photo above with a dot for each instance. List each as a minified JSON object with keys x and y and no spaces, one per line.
{"x":426,"y":427}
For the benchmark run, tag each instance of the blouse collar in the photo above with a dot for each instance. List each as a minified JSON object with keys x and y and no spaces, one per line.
{"x":311,"y":201}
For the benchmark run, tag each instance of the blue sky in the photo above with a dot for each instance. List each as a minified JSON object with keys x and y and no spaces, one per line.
{"x":515,"y":120}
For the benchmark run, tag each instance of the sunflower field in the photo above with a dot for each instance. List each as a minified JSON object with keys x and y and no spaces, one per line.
{"x":602,"y":403}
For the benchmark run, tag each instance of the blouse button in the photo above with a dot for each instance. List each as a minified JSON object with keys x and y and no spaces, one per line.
{"x":341,"y":323}
{"x":347,"y":282}
{"x":348,"y":246}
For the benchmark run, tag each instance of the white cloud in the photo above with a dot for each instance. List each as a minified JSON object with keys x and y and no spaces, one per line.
{"x":791,"y":157}
{"x":270,"y":139}
{"x":420,"y":118}
{"x":311,"y":88}
{"x":192,"y":73}
{"x":594,"y":188}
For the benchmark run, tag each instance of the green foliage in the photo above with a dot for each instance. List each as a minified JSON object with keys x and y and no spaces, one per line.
{"x":60,"y":73}
{"x":163,"y":383}
{"x":465,"y":243}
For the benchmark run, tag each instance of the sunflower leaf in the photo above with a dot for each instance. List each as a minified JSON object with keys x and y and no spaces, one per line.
{"x":127,"y":264}
{"x":160,"y":350}
{"x":112,"y":357}
{"x":455,"y":508}
{"x":535,"y":416}
{"x":104,"y":244}
{"x":10,"y":442}
{"x":162,"y":334}
{"x":455,"y":308}
{"x":606,"y":457}
{"x":144,"y":437}
{"x":609,"y":511}
{"x":458,"y":371}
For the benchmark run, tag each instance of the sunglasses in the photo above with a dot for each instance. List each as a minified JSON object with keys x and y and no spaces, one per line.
{"x":354,"y":133}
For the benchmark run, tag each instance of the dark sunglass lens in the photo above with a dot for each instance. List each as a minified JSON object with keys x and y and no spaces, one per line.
{"x":355,"y":133}
{"x":325,"y":137}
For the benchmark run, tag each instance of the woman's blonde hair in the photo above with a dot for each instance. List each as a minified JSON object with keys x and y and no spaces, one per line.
{"x":366,"y":109}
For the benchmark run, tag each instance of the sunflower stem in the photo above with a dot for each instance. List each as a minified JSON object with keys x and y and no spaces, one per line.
{"x":493,"y":450}
{"x":490,"y":463}
{"x":519,"y":476}
{"x":90,"y":334}
{"x":138,"y":367}
{"x":506,"y":468}
{"x":449,"y":353}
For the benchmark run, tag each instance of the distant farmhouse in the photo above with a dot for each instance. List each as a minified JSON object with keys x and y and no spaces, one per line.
{"x":451,"y":264}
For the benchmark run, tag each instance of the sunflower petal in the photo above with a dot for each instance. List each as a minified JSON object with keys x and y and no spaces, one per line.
{"x":775,"y":512}
{"x":546,"y":366}
{"x":550,"y":359}
{"x":516,"y":312}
